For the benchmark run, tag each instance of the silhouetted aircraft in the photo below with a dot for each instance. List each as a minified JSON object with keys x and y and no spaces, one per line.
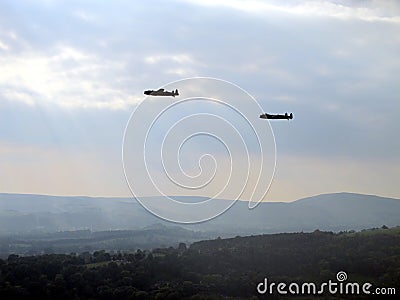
{"x":274,"y":117}
{"x":161,"y":92}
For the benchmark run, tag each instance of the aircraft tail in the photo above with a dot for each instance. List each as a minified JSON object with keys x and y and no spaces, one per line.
{"x":176,"y":92}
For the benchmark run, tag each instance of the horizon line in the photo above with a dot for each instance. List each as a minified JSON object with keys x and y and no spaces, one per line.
{"x":173,"y":196}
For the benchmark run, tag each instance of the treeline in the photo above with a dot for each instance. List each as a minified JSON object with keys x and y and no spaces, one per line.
{"x":86,"y":240}
{"x":218,"y":268}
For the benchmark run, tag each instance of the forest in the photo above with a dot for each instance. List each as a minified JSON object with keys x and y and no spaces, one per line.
{"x":213,"y":269}
{"x":149,"y":237}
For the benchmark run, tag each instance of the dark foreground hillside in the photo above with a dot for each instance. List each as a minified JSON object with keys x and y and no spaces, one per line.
{"x":221,"y":268}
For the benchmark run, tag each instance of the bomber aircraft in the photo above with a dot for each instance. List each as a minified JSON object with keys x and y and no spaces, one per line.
{"x":161,"y":92}
{"x":274,"y":117}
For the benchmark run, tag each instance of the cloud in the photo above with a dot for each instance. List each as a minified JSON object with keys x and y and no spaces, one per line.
{"x":180,"y":59}
{"x":182,"y":65}
{"x":366,"y":10}
{"x":68,"y":77}
{"x":71,"y":72}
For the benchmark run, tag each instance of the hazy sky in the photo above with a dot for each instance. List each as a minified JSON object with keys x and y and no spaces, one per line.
{"x":72,"y":72}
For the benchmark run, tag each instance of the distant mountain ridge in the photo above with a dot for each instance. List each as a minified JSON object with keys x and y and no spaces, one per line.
{"x":333,"y":212}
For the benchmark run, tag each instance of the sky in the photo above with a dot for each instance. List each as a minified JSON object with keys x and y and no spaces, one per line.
{"x":73,"y":72}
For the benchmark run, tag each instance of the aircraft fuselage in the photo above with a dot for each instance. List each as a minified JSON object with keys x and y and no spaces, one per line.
{"x":161,"y":92}
{"x":286,"y":116}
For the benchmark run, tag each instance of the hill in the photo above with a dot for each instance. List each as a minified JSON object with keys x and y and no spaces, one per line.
{"x":332,"y":212}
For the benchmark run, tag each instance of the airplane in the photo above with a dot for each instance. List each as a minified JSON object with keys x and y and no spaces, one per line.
{"x":285,"y":116}
{"x":161,"y":92}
